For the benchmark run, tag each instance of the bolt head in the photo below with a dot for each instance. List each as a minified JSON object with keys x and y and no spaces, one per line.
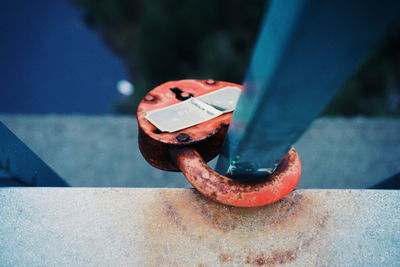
{"x":183,"y":137}
{"x":149,"y":98}
{"x":210,"y":81}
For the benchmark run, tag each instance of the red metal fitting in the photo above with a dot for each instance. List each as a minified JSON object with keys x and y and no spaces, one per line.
{"x":207,"y":138}
{"x":234,"y":193}
{"x":188,"y":150}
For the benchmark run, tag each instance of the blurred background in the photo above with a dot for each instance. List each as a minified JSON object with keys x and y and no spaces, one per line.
{"x":98,"y":57}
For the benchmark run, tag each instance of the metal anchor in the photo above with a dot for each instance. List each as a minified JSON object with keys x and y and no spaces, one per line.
{"x":189,"y":149}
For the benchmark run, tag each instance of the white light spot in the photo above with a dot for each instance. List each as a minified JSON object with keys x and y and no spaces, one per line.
{"x":125,"y":87}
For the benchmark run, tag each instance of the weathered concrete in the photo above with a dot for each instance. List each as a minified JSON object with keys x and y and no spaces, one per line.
{"x":178,"y":227}
{"x":103,"y":151}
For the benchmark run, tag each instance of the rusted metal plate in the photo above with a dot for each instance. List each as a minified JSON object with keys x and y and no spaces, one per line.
{"x":177,"y":227}
{"x":206,"y":137}
{"x":165,"y":95}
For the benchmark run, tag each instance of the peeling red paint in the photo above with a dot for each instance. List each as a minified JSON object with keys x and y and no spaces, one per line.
{"x":235,"y":193}
{"x":206,"y":137}
{"x":189,"y":150}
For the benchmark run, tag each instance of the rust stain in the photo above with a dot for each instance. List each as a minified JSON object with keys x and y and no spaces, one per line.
{"x":286,"y":208}
{"x":213,"y":216}
{"x":172,"y":213}
{"x":225,"y":218}
{"x":259,"y":259}
{"x":205,"y":211}
{"x":281,"y":257}
{"x":277,"y":257}
{"x":224,"y":258}
{"x":323,"y":220}
{"x":247,"y":260}
{"x":280,"y":233}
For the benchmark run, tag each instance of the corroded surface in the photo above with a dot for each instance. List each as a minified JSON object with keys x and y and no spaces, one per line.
{"x":173,"y":227}
{"x":236,"y":193}
{"x":207,"y":137}
{"x":163,"y":96}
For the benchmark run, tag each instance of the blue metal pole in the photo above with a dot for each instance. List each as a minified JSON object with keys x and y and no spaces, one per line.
{"x":306,"y":50}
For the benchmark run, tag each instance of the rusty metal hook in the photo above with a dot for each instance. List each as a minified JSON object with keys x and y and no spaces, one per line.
{"x":189,"y":149}
{"x":235,"y":193}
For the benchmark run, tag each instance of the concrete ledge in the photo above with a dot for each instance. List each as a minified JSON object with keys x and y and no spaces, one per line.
{"x":178,"y":227}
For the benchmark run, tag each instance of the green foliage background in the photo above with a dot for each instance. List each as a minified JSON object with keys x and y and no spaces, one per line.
{"x":178,"y":39}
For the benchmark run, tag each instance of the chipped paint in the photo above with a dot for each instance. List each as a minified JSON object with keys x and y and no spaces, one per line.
{"x":236,"y":193}
{"x":188,"y":150}
{"x":207,"y":137}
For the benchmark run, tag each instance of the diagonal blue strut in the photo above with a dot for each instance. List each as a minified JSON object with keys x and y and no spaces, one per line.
{"x":20,"y":166}
{"x":306,"y":50}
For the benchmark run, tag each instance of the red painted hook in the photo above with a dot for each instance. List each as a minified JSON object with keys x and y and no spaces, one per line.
{"x":235,"y":193}
{"x":201,"y":143}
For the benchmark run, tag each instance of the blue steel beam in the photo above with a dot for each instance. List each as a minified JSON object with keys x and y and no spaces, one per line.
{"x":306,"y":50}
{"x":20,"y":166}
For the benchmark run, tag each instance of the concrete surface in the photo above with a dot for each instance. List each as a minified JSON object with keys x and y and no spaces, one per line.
{"x":103,"y":151}
{"x":178,"y":227}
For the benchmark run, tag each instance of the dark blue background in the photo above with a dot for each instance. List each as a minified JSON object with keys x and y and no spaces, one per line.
{"x":51,"y":62}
